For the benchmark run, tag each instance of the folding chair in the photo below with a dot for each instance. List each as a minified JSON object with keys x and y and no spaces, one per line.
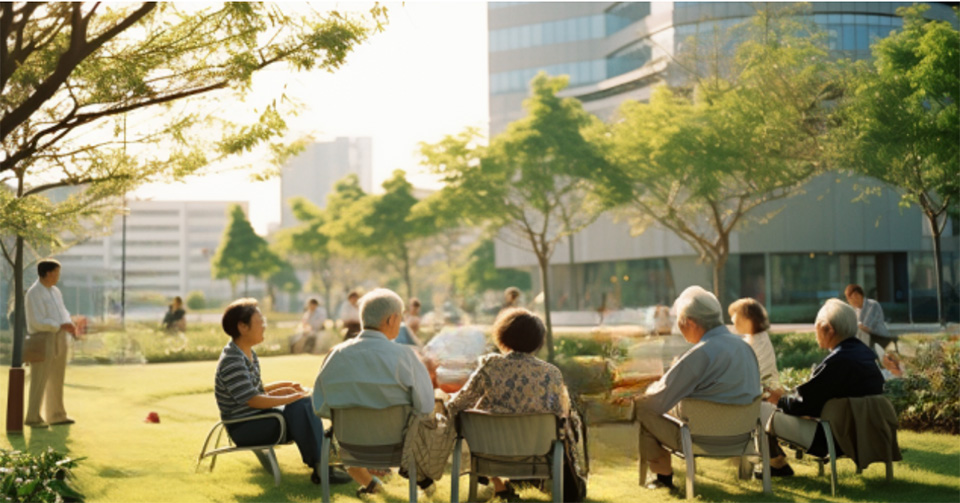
{"x":798,"y":433}
{"x":709,"y":429}
{"x":368,"y":438}
{"x":518,"y":446}
{"x":264,"y":453}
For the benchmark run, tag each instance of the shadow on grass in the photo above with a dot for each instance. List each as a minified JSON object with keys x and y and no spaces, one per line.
{"x":817,"y":488}
{"x":36,"y":440}
{"x":930,"y":461}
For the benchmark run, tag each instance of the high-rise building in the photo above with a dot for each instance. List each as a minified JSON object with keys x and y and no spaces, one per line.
{"x":819,"y":242}
{"x":313,"y":173}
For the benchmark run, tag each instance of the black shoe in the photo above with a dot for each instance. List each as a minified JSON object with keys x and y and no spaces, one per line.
{"x":337,"y":476}
{"x":508,"y":495}
{"x":783,"y":471}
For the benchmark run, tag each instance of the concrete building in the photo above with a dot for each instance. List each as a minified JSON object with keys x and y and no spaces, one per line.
{"x":169,"y":248}
{"x":820,"y":241}
{"x":313,"y":173}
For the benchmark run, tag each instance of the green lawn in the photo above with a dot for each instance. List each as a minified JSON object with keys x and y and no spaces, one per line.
{"x":129,"y":460}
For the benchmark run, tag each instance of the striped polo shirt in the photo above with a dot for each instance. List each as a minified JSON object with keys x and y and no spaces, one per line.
{"x":238,"y":380}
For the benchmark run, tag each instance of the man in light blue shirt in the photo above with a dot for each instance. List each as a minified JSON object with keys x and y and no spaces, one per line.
{"x":719,"y":368}
{"x":372,"y":371}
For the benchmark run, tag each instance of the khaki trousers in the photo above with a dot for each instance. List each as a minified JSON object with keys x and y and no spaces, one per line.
{"x":658,"y":432}
{"x":46,"y":382}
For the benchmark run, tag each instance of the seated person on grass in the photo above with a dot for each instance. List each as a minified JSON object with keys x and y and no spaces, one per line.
{"x":372,"y":371}
{"x":850,"y":370}
{"x":176,"y":318}
{"x":241,"y":393}
{"x":719,"y":368}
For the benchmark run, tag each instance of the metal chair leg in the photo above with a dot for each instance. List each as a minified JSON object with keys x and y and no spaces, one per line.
{"x":641,"y":462}
{"x":325,"y":468}
{"x":455,"y":471}
{"x":832,"y":451}
{"x":412,"y":471}
{"x":687,"y":444}
{"x":472,"y":496}
{"x":557,"y":463}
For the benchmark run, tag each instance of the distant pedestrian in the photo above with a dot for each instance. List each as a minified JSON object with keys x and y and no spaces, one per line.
{"x":48,"y":320}
{"x":511,"y":298}
{"x":871,"y":328}
{"x":350,"y":315}
{"x":176,"y":318}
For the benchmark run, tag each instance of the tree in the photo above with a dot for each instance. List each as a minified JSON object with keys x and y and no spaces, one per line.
{"x":448,"y":235}
{"x":479,"y":273}
{"x":242,"y":253}
{"x":71,"y":73}
{"x":703,"y":160}
{"x":901,"y":121}
{"x":280,"y":276}
{"x":308,"y":242}
{"x":527,"y":178}
{"x":383,"y":227}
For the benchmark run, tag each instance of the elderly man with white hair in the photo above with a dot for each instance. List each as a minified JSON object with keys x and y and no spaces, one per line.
{"x":719,"y":368}
{"x":850,"y":370}
{"x":372,"y":371}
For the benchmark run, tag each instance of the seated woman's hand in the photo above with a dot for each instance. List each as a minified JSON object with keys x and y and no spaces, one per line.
{"x":284,"y":391}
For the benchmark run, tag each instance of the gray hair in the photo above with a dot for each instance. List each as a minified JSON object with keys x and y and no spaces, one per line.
{"x":840,"y":316}
{"x":699,"y":306}
{"x":378,"y":305}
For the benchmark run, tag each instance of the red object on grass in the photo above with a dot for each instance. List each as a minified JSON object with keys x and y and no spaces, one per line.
{"x":152,"y":417}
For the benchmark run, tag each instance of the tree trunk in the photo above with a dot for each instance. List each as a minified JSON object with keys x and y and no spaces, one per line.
{"x":246,"y":285}
{"x":938,"y":265}
{"x":19,"y":311}
{"x":720,"y":278}
{"x":406,"y":277}
{"x":574,"y":291}
{"x":545,"y":283}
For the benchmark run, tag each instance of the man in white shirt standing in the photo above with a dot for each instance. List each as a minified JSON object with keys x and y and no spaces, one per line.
{"x":47,"y":317}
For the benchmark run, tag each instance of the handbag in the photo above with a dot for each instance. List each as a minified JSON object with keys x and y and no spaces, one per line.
{"x":34,"y":348}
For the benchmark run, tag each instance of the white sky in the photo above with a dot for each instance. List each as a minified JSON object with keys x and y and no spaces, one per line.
{"x":424,"y":77}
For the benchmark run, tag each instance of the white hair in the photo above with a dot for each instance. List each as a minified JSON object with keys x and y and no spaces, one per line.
{"x":378,"y":305}
{"x":840,"y":316}
{"x":699,"y":306}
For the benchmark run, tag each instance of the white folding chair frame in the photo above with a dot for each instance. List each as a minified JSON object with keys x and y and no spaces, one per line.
{"x":265,"y":453}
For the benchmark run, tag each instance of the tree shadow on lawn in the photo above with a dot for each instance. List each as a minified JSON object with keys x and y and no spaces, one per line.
{"x":36,"y":440}
{"x":931,"y":461}
{"x":816,"y":488}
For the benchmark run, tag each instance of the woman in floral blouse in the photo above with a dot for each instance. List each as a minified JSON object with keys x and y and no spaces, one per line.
{"x":515,"y":381}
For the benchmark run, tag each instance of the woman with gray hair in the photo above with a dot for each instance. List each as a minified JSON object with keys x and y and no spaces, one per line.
{"x":850,"y":370}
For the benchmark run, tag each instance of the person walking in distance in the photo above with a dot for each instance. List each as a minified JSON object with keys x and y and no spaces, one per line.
{"x":48,"y":319}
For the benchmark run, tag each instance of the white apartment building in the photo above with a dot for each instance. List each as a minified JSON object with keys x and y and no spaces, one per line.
{"x":313,"y":173}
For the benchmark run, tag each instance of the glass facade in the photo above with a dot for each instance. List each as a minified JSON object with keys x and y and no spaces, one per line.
{"x":623,"y":14}
{"x":580,"y":73}
{"x":554,"y":32}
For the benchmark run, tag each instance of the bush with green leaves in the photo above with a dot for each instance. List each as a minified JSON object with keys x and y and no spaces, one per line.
{"x":797,"y":350}
{"x":36,"y":477}
{"x":196,"y":300}
{"x":928,"y":395}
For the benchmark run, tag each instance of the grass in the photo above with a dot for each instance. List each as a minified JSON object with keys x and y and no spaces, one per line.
{"x":129,"y":460}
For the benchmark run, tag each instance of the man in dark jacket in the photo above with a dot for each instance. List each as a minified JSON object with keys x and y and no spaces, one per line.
{"x":850,"y":370}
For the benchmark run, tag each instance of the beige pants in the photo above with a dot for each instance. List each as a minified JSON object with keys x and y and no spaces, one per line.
{"x":46,"y":382}
{"x":658,"y":432}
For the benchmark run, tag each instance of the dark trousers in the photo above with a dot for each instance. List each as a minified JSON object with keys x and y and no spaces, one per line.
{"x":303,"y":427}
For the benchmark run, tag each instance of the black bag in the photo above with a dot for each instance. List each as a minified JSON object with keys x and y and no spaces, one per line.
{"x":575,"y":454}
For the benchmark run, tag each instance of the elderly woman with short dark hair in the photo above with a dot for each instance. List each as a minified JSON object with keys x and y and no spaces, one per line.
{"x":240,"y":392}
{"x":515,"y":381}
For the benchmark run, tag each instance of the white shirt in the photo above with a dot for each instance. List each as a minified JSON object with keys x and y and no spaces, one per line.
{"x":766,"y":357}
{"x":45,"y":309}
{"x":315,"y":319}
{"x":349,"y":312}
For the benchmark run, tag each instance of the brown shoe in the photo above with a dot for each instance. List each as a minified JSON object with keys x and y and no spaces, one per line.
{"x":63,"y":421}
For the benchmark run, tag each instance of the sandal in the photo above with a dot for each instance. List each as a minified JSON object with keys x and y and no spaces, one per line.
{"x":374,"y":487}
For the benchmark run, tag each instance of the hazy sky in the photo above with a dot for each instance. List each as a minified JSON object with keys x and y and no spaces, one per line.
{"x":424,"y":77}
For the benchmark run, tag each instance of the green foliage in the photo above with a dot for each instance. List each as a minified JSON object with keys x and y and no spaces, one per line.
{"x":36,"y":478}
{"x":928,"y":396}
{"x":530,"y":183}
{"x":480,"y":272}
{"x":242,"y":253}
{"x":381,"y":226}
{"x":701,"y":162}
{"x":797,"y":350}
{"x":196,"y":300}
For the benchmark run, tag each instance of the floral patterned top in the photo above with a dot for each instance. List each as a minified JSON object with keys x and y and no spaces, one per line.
{"x":514,"y":383}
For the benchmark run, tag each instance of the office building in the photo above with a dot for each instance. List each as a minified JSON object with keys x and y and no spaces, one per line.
{"x":313,"y":173}
{"x":820,"y":241}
